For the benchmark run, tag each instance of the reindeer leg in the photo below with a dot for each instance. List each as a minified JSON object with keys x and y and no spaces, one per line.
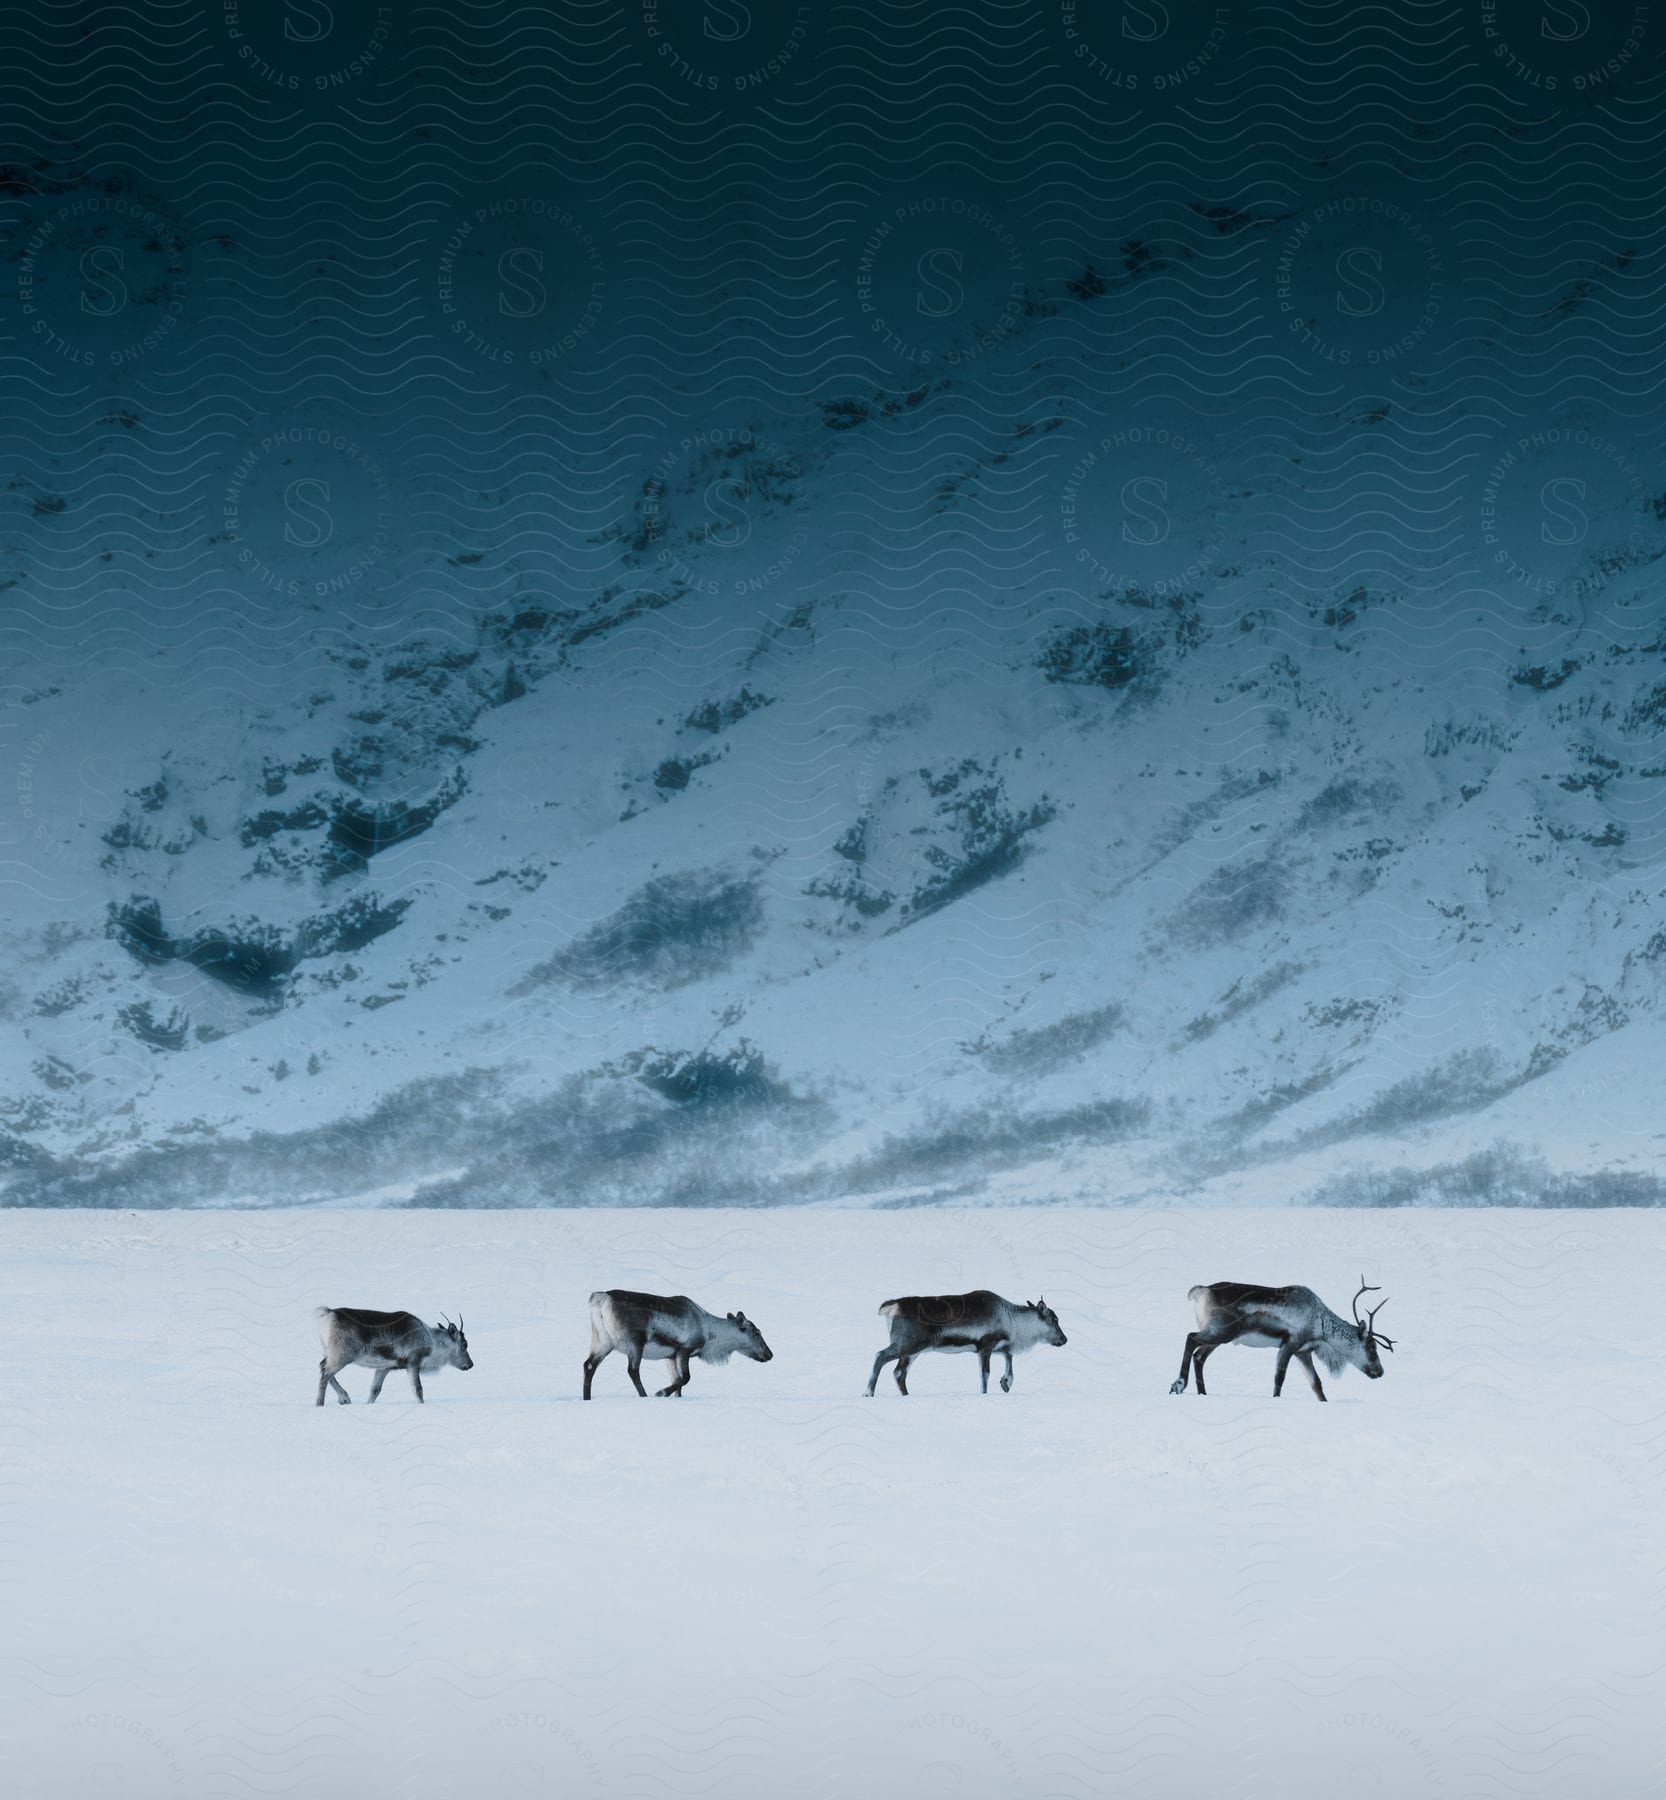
{"x":416,"y":1379}
{"x":985,"y":1351}
{"x":633,"y":1367}
{"x":902,"y":1373}
{"x":1192,"y":1342}
{"x":1006,"y":1379}
{"x":1285,"y":1351}
{"x":593,"y":1362}
{"x":679,"y":1378}
{"x":1305,"y":1358}
{"x":889,"y":1354}
{"x":1199,"y":1348}
{"x":376,"y":1385}
{"x":327,"y":1378}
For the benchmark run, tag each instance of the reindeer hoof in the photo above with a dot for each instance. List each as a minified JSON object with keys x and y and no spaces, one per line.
{"x":1177,"y":1387}
{"x":1006,"y":1384}
{"x":345,"y":1401}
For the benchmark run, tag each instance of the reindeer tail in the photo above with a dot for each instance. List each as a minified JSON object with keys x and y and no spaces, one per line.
{"x":889,"y":1309}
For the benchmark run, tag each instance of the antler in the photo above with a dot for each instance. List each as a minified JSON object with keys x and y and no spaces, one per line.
{"x":1363,"y":1289}
{"x":1371,"y":1330}
{"x":1369,"y":1323}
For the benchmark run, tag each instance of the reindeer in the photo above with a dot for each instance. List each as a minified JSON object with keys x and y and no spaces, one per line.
{"x":661,"y":1328}
{"x":1294,"y":1319}
{"x":979,"y":1321}
{"x":384,"y":1341}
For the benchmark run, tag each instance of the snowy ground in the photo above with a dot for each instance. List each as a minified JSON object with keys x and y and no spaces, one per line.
{"x":1445,"y":1583}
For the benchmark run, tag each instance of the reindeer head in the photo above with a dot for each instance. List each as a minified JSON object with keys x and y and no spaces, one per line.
{"x":1369,"y":1337}
{"x":450,"y":1345}
{"x":754,"y":1345}
{"x":1052,"y":1331}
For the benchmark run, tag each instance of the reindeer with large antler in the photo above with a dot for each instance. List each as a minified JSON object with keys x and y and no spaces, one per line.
{"x":1294,"y":1320}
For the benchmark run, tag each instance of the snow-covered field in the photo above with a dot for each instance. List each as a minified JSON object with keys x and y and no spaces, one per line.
{"x":1448,"y":1582}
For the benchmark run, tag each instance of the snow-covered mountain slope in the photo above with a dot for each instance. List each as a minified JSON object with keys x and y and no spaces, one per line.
{"x":1146,"y":687}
